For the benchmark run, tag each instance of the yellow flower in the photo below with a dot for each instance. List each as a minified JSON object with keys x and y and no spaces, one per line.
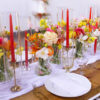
{"x":0,"y":50}
{"x":62,"y":23}
{"x":7,"y":32}
{"x":86,"y":29}
{"x":28,"y":34}
{"x":16,"y":27}
{"x":84,"y":23}
{"x":72,"y":34}
{"x":45,"y":44}
{"x":93,"y":24}
{"x":43,"y":23}
{"x":80,"y":24}
{"x":59,"y":46}
{"x":91,"y":39}
{"x":58,"y":23}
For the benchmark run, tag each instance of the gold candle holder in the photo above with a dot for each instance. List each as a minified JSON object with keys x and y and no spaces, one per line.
{"x":15,"y":88}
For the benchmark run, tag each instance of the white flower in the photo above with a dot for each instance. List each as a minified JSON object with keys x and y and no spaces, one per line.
{"x":42,"y":53}
{"x":84,"y":37}
{"x":50,"y":38}
{"x":80,"y":39}
{"x":96,"y":33}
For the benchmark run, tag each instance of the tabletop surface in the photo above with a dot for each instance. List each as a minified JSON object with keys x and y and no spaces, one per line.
{"x":91,"y":71}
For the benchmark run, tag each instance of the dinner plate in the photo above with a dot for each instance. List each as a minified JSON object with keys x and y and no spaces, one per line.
{"x":68,"y":85}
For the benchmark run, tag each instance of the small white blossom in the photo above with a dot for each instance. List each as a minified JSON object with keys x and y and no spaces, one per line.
{"x":42,"y":53}
{"x":96,"y":33}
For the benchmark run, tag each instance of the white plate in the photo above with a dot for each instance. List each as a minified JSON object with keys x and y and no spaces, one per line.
{"x":68,"y":85}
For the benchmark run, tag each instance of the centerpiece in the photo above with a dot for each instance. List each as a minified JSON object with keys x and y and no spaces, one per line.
{"x":46,"y":45}
{"x":84,"y":35}
{"x":42,"y":51}
{"x":55,"y":36}
{"x":5,"y":69}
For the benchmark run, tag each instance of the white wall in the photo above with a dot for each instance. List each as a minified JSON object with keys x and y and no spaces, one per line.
{"x":26,"y":8}
{"x":13,"y":6}
{"x":78,"y":7}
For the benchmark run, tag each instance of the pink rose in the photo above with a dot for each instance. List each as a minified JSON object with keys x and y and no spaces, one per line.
{"x":50,"y":30}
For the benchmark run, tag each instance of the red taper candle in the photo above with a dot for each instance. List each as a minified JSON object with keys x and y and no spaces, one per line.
{"x":96,"y":24}
{"x":11,"y":39}
{"x":67,"y":29}
{"x":95,"y":46}
{"x":90,"y":14}
{"x":26,"y":50}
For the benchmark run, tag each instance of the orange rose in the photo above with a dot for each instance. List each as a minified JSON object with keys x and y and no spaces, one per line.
{"x":7,"y":45}
{"x":51,"y":51}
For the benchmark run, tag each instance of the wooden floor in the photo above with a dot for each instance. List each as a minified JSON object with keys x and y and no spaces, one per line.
{"x":92,"y":72}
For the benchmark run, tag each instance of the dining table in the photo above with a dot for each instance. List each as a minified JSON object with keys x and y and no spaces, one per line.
{"x":91,"y":71}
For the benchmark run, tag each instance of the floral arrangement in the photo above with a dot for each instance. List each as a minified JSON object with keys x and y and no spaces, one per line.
{"x":59,"y":37}
{"x":47,"y":43}
{"x":5,"y":70}
{"x":85,"y":34}
{"x":81,"y":33}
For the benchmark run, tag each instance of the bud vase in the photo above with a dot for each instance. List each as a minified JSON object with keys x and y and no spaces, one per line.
{"x":56,"y":59}
{"x":79,"y":47}
{"x":6,"y":73}
{"x":43,"y":67}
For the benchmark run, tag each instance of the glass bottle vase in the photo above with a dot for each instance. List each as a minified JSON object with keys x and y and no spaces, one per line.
{"x":43,"y":67}
{"x":6,"y":73}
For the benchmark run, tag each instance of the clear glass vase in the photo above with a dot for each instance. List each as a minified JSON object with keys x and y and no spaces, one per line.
{"x":98,"y":43}
{"x":79,"y":47}
{"x":6,"y":73}
{"x":68,"y":57}
{"x":43,"y":67}
{"x":56,"y":58}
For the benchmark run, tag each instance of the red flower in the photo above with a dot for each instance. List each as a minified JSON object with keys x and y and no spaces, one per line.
{"x":79,"y":31}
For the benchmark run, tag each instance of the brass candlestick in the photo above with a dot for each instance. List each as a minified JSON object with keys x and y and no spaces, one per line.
{"x":15,"y":88}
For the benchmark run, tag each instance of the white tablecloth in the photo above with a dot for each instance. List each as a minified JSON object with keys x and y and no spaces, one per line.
{"x":29,"y":80}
